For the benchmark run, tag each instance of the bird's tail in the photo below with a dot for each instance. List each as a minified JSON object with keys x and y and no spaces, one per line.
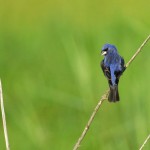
{"x":113,"y":94}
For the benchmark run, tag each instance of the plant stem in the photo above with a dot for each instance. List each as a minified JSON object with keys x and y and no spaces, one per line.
{"x":145,"y":142}
{"x":4,"y":118}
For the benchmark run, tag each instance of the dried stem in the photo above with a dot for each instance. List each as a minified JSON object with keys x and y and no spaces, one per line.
{"x":137,"y":52}
{"x":145,"y":142}
{"x":3,"y":118}
{"x":104,"y":97}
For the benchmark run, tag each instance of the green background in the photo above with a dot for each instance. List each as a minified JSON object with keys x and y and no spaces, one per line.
{"x":51,"y":77}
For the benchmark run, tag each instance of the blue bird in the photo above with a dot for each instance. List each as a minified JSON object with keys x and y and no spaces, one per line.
{"x":113,"y":66}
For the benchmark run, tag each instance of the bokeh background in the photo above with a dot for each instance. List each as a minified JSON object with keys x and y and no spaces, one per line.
{"x":49,"y":66}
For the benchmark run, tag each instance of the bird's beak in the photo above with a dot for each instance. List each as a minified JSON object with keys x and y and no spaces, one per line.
{"x":103,"y":53}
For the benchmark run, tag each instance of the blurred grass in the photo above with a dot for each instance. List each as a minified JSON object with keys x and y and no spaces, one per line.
{"x":52,"y":80}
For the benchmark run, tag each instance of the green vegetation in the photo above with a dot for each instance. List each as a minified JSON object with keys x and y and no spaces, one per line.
{"x":49,"y":62}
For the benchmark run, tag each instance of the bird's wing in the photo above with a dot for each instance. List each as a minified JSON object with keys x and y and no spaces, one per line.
{"x":118,"y":73}
{"x":122,"y":63}
{"x":106,"y":70}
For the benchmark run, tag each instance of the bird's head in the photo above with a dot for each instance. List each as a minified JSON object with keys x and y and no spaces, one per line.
{"x":108,"y":49}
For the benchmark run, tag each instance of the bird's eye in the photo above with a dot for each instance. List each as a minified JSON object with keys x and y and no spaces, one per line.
{"x":106,"y":49}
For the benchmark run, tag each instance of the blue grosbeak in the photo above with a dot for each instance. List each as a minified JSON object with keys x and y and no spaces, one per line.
{"x":113,"y":66}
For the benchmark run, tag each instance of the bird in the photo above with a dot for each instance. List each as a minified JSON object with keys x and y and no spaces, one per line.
{"x":113,"y":66}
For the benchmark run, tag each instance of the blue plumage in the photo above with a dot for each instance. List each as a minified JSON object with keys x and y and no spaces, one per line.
{"x":113,"y":67}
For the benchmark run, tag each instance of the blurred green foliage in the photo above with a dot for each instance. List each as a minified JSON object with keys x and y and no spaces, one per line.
{"x":49,"y":62}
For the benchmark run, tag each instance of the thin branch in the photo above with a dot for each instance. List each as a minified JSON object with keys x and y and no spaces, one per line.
{"x":104,"y":97}
{"x":145,"y":142}
{"x":4,"y":118}
{"x":138,"y":51}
